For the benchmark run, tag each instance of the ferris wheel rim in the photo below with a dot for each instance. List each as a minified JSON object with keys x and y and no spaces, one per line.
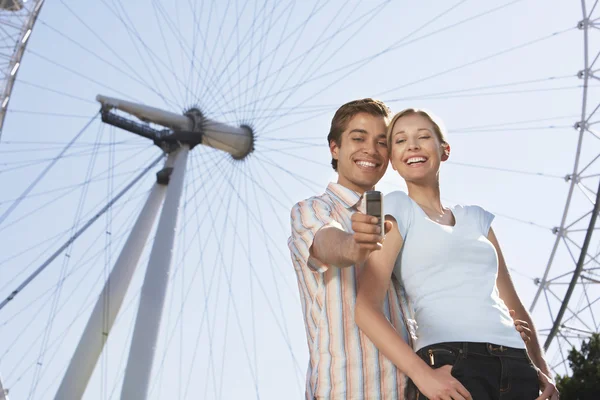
{"x":14,"y":63}
{"x":559,"y":231}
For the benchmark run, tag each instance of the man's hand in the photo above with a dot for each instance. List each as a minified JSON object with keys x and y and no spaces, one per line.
{"x":367,"y":234}
{"x":549,"y":391}
{"x":441,"y":385}
{"x":522,"y":327}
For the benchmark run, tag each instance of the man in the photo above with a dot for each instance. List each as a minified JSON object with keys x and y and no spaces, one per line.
{"x":329,"y":242}
{"x":344,"y":364}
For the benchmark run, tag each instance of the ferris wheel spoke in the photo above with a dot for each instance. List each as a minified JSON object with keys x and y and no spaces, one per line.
{"x":479,"y":60}
{"x":120,"y":12}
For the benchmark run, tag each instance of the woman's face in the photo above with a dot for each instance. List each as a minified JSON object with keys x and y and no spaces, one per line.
{"x":416,"y":151}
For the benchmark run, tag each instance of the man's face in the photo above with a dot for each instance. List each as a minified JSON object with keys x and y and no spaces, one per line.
{"x":362,"y":154}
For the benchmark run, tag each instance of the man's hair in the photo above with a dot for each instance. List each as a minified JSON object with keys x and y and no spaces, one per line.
{"x":345,"y":113}
{"x":438,"y":128}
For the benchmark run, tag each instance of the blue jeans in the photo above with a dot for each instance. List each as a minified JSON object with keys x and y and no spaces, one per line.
{"x":487,"y":371}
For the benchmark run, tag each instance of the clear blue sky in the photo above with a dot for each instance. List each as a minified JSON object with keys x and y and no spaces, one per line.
{"x":501,"y":76}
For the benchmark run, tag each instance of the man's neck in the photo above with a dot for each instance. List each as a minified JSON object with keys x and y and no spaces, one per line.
{"x":355,"y":188}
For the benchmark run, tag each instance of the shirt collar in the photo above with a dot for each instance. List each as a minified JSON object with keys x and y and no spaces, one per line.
{"x":349,"y":198}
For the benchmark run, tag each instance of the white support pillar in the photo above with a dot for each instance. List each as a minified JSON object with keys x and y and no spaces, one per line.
{"x":145,"y":335}
{"x":96,"y":332}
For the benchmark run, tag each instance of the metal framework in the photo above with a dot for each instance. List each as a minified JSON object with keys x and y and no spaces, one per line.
{"x":17,"y":18}
{"x":562,"y":282}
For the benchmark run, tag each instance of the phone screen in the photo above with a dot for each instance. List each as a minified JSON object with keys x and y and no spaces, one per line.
{"x":374,"y":207}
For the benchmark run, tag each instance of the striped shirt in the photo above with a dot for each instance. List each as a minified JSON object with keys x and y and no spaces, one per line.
{"x":344,"y":363}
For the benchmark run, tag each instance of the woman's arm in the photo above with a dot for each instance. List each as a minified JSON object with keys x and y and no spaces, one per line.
{"x":374,"y":282}
{"x":509,"y":295}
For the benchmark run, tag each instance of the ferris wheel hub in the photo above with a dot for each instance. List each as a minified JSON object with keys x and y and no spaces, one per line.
{"x":192,"y":128}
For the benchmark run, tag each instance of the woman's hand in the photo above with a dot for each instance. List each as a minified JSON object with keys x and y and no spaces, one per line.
{"x":549,"y":391}
{"x":439,"y":384}
{"x":522,"y":327}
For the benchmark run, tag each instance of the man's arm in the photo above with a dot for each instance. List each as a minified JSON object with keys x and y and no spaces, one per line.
{"x":334,"y":246}
{"x":509,"y":295}
{"x":320,"y":240}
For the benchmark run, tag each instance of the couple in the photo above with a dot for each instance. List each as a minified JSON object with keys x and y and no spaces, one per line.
{"x":443,"y":265}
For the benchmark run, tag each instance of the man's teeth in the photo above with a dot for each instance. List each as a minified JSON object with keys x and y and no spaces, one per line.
{"x":366,"y":164}
{"x":416,"y":160}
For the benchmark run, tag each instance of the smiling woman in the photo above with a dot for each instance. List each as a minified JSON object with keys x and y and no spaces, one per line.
{"x":417,"y":141}
{"x":450,"y":263}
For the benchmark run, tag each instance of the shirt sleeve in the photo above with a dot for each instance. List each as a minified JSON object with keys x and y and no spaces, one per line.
{"x":398,"y":205}
{"x":484,"y":218}
{"x":307,"y":218}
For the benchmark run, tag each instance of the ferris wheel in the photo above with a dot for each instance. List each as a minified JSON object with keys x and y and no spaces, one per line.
{"x":18,"y":18}
{"x":150,"y":154}
{"x":575,"y":232}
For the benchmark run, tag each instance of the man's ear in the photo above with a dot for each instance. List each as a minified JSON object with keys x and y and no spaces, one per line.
{"x":445,"y":151}
{"x":334,"y":149}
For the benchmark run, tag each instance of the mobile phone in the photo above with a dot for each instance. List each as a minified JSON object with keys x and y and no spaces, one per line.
{"x":374,"y":200}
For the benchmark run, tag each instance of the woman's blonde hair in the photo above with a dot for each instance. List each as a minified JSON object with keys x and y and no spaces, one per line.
{"x":436,"y":122}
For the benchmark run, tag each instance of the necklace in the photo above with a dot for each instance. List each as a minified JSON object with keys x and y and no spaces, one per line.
{"x":437,"y":217}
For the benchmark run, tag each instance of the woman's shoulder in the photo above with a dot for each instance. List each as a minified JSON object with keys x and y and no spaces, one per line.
{"x":479,"y":215}
{"x":472,"y":209}
{"x":398,"y":205}
{"x":397,"y":196}
{"x":397,"y":202}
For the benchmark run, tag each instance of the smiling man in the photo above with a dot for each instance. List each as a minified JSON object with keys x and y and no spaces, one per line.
{"x":329,"y":242}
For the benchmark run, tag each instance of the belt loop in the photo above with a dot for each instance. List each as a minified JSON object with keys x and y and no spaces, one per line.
{"x":465,"y":349}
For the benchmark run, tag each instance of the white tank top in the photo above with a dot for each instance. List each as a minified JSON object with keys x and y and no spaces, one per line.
{"x":449,"y":274}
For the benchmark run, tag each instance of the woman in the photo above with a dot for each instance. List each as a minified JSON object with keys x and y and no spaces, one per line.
{"x":453,"y":271}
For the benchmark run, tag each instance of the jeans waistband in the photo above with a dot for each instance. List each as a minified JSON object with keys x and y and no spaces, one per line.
{"x":482,"y":349}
